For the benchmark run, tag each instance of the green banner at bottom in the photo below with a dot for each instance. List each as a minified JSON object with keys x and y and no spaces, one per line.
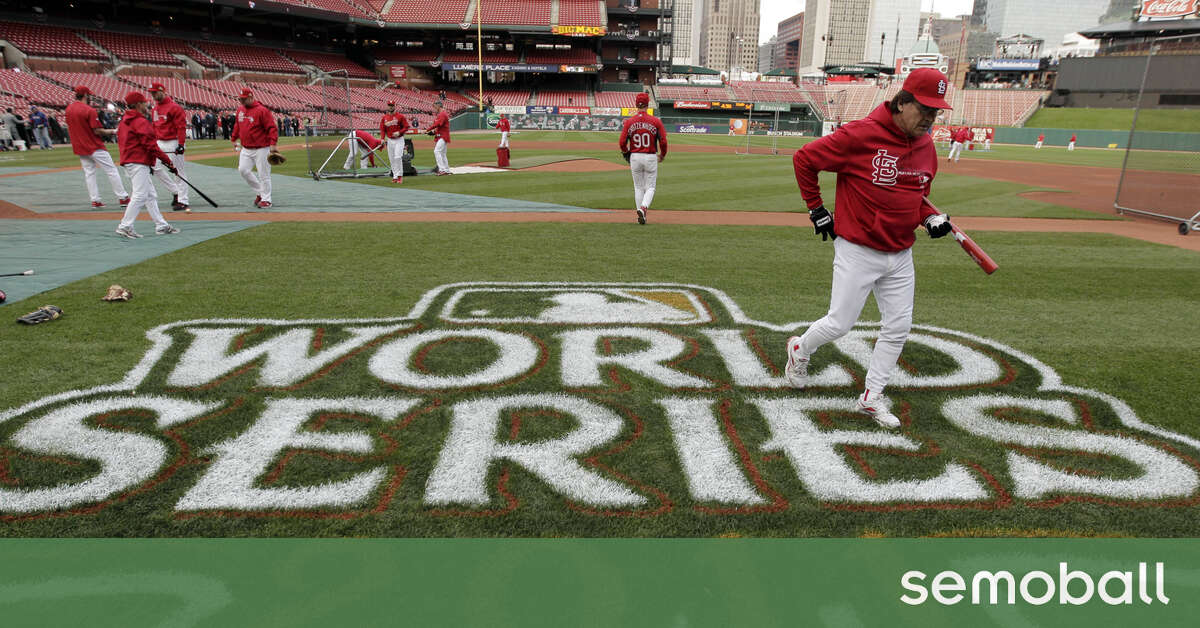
{"x":576,"y":582}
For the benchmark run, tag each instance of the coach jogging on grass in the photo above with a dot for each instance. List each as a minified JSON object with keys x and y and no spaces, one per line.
{"x":885,"y":165}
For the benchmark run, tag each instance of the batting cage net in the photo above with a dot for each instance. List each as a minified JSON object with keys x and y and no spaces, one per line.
{"x":342,"y":142}
{"x":1154,"y":182}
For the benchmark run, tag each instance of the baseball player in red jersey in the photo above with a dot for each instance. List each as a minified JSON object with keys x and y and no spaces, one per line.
{"x":441,"y":130}
{"x":988,"y":137}
{"x":1041,"y":138}
{"x":885,"y":166}
{"x":644,"y":144}
{"x":254,"y":137}
{"x":362,"y":148}
{"x":170,"y":126}
{"x":505,"y":128}
{"x":83,"y":124}
{"x":1071,"y":144}
{"x":393,"y":128}
{"x":137,"y":141}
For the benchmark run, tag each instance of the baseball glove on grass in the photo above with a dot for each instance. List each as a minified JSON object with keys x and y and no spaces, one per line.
{"x":43,"y":314}
{"x":276,"y":158}
{"x":116,"y":293}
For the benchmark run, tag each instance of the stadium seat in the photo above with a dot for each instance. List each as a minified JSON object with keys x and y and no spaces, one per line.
{"x":185,"y":92}
{"x":560,"y":98}
{"x":574,"y":56}
{"x":40,"y":40}
{"x":34,"y":90}
{"x":470,"y":56}
{"x":523,"y":12}
{"x":503,"y":98}
{"x":252,"y":58}
{"x":692,"y":92}
{"x":105,"y":87}
{"x":430,"y":12}
{"x":615,"y":99}
{"x":148,"y":48}
{"x":327,"y":62}
{"x":579,"y":13}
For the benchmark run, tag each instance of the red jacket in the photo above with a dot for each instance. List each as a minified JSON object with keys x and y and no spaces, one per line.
{"x":503,"y":125}
{"x":170,"y":122}
{"x":883,"y":179}
{"x":646,"y":134}
{"x":255,"y":126}
{"x":1072,"y":138}
{"x":441,"y":126}
{"x":368,"y":140}
{"x":393,"y":125}
{"x":82,"y":121}
{"x":136,"y":139}
{"x":962,"y":135}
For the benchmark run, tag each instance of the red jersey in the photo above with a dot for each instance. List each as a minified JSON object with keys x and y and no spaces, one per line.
{"x":441,"y":126}
{"x":255,"y":127}
{"x":991,"y":134}
{"x":1042,"y":137}
{"x":503,"y":125}
{"x":368,"y":140}
{"x":962,"y":135}
{"x":170,"y":122}
{"x":81,"y":120}
{"x":136,"y":139}
{"x":1072,"y":138}
{"x":643,"y":133}
{"x":393,"y":125}
{"x":883,"y":177}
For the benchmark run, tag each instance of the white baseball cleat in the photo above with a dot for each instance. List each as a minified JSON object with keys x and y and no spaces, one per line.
{"x":874,"y":407}
{"x":641,"y":214}
{"x":128,"y":232}
{"x":166,"y":230}
{"x":796,"y":371}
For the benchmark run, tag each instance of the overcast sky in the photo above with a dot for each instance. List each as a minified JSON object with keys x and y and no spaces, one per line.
{"x":772,"y":12}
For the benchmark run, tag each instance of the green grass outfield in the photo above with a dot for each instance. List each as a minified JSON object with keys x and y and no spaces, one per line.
{"x":1109,"y":314}
{"x":1166,"y":120}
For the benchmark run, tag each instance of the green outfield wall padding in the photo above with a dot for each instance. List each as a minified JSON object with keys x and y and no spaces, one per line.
{"x":1146,"y":140}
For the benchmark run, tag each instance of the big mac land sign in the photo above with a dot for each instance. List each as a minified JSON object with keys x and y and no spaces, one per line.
{"x":1158,"y":9}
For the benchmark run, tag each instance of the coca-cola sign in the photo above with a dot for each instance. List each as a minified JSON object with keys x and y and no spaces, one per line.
{"x":1168,"y":8}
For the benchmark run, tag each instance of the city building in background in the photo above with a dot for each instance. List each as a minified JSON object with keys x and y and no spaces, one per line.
{"x":766,"y":55}
{"x":1042,"y":19}
{"x":789,"y":37}
{"x":894,"y":26}
{"x":683,"y":45}
{"x":729,"y":36}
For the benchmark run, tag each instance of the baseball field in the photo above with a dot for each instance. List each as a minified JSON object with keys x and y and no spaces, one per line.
{"x":510,"y":354}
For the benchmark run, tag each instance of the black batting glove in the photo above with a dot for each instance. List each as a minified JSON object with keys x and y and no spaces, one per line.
{"x":179,"y":150}
{"x":937,"y":225}
{"x":822,"y":223}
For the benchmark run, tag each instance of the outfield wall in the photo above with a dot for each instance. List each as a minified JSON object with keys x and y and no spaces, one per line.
{"x":1147,"y":140}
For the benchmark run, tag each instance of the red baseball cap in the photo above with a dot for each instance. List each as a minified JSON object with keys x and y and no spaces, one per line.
{"x":642,"y":99}
{"x":133,"y":98}
{"x":157,"y":87}
{"x":246,"y":93}
{"x":80,"y":90}
{"x":929,"y":87}
{"x":391,"y":103}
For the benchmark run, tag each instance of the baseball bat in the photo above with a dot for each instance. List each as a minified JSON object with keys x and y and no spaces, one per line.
{"x":973,"y":250}
{"x":197,"y":190}
{"x":28,"y":272}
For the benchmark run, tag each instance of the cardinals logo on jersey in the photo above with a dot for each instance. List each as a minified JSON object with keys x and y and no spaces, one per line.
{"x":886,"y":172}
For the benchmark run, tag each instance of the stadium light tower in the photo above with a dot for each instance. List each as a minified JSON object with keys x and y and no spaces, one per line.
{"x":479,"y":48}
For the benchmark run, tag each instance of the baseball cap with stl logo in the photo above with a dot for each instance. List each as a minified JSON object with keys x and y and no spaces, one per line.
{"x":642,"y":99}
{"x":929,"y":87}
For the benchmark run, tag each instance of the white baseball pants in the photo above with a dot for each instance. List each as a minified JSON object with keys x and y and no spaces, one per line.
{"x":859,"y":271}
{"x":1038,"y":145}
{"x":1070,"y":145}
{"x":504,"y":139}
{"x":177,"y":187}
{"x":357,"y":149}
{"x":101,"y":159}
{"x":143,"y":194}
{"x":253,"y":159}
{"x":956,"y":149}
{"x":439,"y":155}
{"x":396,"y":156}
{"x":644,"y":167}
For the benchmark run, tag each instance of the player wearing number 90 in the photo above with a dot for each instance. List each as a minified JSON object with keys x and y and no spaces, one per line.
{"x":644,"y":145}
{"x":885,"y":166}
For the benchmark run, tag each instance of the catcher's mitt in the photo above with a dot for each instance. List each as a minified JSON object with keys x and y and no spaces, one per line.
{"x":276,"y":158}
{"x":43,"y":314}
{"x":116,"y":293}
{"x":625,"y":155}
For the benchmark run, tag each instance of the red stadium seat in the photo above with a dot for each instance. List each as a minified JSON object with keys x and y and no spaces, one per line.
{"x":105,"y":87}
{"x":328,"y":62}
{"x":579,"y":13}
{"x":48,"y":41}
{"x":430,"y":12}
{"x":34,"y":90}
{"x":559,"y":98}
{"x":148,"y":48}
{"x":186,"y":92}
{"x":692,"y":92}
{"x":574,"y":56}
{"x":615,"y":99}
{"x":252,"y":58}
{"x":524,"y":12}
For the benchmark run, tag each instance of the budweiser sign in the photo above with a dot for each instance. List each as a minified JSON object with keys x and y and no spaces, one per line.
{"x":1168,"y":8}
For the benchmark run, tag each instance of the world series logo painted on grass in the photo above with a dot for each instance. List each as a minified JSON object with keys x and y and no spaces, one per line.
{"x":597,"y":400}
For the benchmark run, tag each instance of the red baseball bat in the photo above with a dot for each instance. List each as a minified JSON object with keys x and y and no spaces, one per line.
{"x":974,"y":250}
